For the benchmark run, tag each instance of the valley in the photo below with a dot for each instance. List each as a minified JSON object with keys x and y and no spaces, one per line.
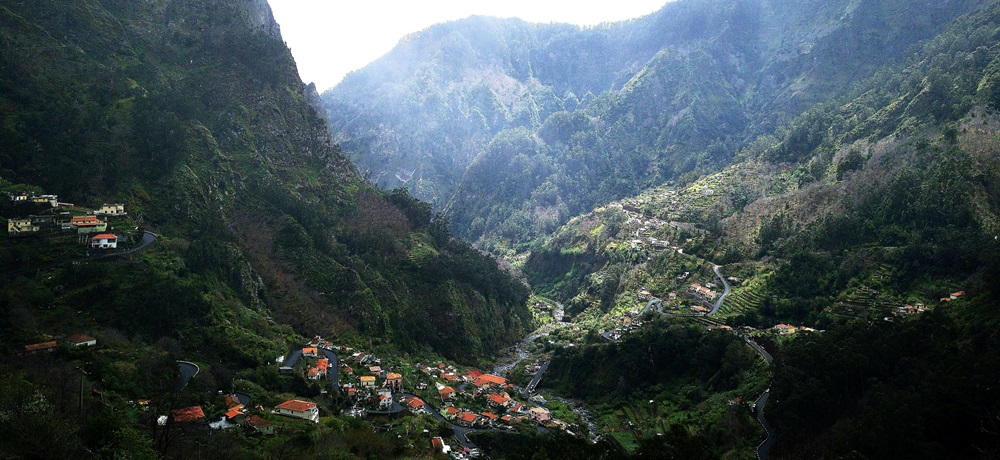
{"x":729,"y":229}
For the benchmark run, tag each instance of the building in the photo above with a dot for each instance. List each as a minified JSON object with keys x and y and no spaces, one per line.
{"x":236,"y":414}
{"x":539,"y":414}
{"x":447,"y":393}
{"x":394,"y":381}
{"x":87,"y":224}
{"x":785,"y":329}
{"x":116,"y":209}
{"x":193,"y":414}
{"x":367,"y":381}
{"x":439,"y":446}
{"x":81,"y":340}
{"x":311,"y":352}
{"x":300,"y":409}
{"x":467,"y":418}
{"x":259,"y":425}
{"x":43,"y":347}
{"x":20,"y":227}
{"x":104,"y":241}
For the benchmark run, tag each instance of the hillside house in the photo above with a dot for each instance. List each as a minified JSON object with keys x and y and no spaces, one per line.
{"x":451,"y":412}
{"x":43,"y":347}
{"x":299,"y":409}
{"x":467,"y":418}
{"x":416,"y":405}
{"x":193,"y":414}
{"x":539,"y":414}
{"x":447,"y":393}
{"x":87,"y":224}
{"x":439,"y":446}
{"x":104,"y":241}
{"x":21,"y":227}
{"x":236,"y":414}
{"x":367,"y":381}
{"x":499,"y":400}
{"x":259,"y":425}
{"x":394,"y":381}
{"x":81,"y":340}
{"x":310,"y":352}
{"x":384,"y":399}
{"x":785,"y":329}
{"x":116,"y":209}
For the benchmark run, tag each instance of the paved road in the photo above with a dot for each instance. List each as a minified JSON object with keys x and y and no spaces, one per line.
{"x":765,"y":447}
{"x":725,"y":292}
{"x":763,"y":353}
{"x":188,"y":370}
{"x":461,"y":432}
{"x":534,"y":380}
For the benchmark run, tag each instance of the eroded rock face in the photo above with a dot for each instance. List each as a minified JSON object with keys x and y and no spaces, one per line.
{"x":259,"y":15}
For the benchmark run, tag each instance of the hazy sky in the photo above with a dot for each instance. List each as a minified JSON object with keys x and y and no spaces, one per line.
{"x":330,"y":38}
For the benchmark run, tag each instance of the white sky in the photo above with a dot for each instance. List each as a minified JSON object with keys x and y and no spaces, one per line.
{"x":330,"y":38}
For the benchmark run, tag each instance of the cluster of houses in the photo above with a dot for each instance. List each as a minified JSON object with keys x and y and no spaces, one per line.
{"x":88,"y":224}
{"x":704,"y":292}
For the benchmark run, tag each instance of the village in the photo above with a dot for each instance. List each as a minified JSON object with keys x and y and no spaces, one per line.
{"x":33,"y":214}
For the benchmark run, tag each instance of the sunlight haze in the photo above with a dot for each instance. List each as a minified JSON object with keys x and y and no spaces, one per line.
{"x":331,"y":38}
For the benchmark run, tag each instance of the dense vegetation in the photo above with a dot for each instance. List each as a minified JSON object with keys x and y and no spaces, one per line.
{"x":513,"y":128}
{"x":193,"y":116}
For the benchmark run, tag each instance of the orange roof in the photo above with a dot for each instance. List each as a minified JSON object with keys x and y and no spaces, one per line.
{"x":416,"y":402}
{"x":188,"y":414}
{"x":958,"y":294}
{"x":296,"y":405}
{"x":493,"y":379}
{"x":499,"y":399}
{"x":313,"y":372}
{"x":309,"y":350}
{"x":323,"y":364}
{"x":451,"y":410}
{"x":84,"y":220}
{"x":467,"y":417}
{"x":232,"y":400}
{"x":393,"y":376}
{"x":475,"y":373}
{"x":234,"y":411}
{"x":447,"y":390}
{"x":367,"y":378}
{"x":40,"y":346}
{"x":490,"y":415}
{"x":105,"y":236}
{"x":437,"y":442}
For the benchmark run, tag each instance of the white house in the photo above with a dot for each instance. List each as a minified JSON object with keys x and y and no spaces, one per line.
{"x":104,"y":241}
{"x":116,"y":209}
{"x":299,"y":409}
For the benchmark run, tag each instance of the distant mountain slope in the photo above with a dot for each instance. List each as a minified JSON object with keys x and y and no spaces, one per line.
{"x":192,"y":114}
{"x":514,"y":127}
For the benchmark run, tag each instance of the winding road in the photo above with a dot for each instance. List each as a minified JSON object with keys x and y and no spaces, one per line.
{"x":188,"y":370}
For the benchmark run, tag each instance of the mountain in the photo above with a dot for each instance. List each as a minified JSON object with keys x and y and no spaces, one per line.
{"x":512,"y":128}
{"x":865,"y":209}
{"x":193,"y":116}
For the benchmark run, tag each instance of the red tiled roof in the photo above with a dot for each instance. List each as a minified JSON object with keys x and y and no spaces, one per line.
{"x":475,"y":374}
{"x":490,"y":415}
{"x":188,"y":414}
{"x":499,"y":399}
{"x":447,"y":390}
{"x":258,"y":421}
{"x":40,"y":346}
{"x":451,"y":410}
{"x":416,"y":403}
{"x":323,"y":364}
{"x":467,"y":417}
{"x":233,"y":400}
{"x":106,"y":236}
{"x":393,"y":376}
{"x":296,"y":405}
{"x":308,"y":350}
